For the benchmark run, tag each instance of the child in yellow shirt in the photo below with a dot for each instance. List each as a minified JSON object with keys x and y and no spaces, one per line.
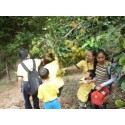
{"x":48,"y":91}
{"x":86,"y":85}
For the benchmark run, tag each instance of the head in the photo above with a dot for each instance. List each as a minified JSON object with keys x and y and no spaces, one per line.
{"x":47,"y":58}
{"x":90,"y":74}
{"x":90,"y":56}
{"x":101,"y":56}
{"x":23,"y":53}
{"x":44,"y":73}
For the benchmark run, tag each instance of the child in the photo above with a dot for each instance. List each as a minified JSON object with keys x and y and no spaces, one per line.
{"x":102,"y":76}
{"x":86,"y":85}
{"x":48,"y":91}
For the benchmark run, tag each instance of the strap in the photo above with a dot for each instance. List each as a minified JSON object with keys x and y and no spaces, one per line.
{"x":109,"y":70}
{"x":24,"y":66}
{"x":34,"y":65}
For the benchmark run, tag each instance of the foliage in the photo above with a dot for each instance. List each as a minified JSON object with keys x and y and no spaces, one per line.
{"x":119,"y":103}
{"x":43,"y":34}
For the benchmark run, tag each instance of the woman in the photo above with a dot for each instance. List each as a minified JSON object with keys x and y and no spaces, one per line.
{"x":88,"y":64}
{"x":102,"y":76}
{"x":51,"y":63}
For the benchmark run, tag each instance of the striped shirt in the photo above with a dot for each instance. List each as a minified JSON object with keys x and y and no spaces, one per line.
{"x":102,"y":73}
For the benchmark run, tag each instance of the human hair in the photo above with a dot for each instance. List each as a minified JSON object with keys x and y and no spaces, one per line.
{"x":44,"y":73}
{"x":48,"y":57}
{"x":23,"y":53}
{"x":92,"y":73}
{"x":103,"y":52}
{"x":94,"y":53}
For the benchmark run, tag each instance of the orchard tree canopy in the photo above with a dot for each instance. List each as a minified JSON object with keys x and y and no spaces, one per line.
{"x":68,"y":37}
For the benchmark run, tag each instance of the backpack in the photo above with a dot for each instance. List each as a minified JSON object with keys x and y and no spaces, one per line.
{"x":33,"y":78}
{"x":98,"y":97}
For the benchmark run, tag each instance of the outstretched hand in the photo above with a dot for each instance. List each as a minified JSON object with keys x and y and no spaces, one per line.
{"x":99,"y":87}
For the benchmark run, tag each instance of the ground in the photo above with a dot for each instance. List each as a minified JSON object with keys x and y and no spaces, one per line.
{"x":11,"y":97}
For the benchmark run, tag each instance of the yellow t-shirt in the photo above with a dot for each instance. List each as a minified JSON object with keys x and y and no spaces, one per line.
{"x":48,"y":91}
{"x":85,"y":66}
{"x":21,"y":72}
{"x":84,"y":91}
{"x":53,"y":67}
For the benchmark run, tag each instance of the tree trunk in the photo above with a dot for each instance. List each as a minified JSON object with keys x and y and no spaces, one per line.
{"x":8,"y":73}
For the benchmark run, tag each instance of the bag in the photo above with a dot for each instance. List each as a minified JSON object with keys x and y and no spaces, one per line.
{"x":98,"y":97}
{"x":33,"y":78}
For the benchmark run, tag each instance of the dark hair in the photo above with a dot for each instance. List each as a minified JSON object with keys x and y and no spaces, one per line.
{"x":44,"y":73}
{"x":92,"y":73}
{"x":48,"y":57}
{"x":23,"y":53}
{"x":103,"y":52}
{"x":94,"y":53}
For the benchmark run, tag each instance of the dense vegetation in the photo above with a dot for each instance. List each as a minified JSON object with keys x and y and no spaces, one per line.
{"x":68,"y":37}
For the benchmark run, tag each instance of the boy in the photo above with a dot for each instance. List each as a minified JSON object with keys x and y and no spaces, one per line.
{"x":48,"y":91}
{"x":86,"y":86}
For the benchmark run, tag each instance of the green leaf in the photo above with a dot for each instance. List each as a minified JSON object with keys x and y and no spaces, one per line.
{"x":123,"y":86}
{"x":124,"y":69}
{"x":119,"y":103}
{"x":85,"y":44}
{"x":121,"y":80}
{"x":122,"y":61}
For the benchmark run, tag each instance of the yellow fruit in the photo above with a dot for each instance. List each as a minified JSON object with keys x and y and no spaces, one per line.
{"x":82,"y":31}
{"x":33,"y":42}
{"x":82,"y":53}
{"x":79,"y":49}
{"x":74,"y":24}
{"x":35,"y":50}
{"x":73,"y":49}
{"x":60,"y":73}
{"x":66,"y":55}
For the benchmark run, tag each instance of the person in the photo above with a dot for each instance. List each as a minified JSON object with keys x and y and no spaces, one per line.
{"x":102,"y":76}
{"x":51,"y":63}
{"x":88,"y":64}
{"x":48,"y":91}
{"x":83,"y":93}
{"x":23,"y":78}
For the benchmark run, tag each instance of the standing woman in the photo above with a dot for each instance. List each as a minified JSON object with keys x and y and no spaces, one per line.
{"x":51,"y":63}
{"x":102,"y":76}
{"x":88,"y":64}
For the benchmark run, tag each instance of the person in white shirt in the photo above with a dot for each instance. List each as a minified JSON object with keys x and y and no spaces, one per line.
{"x":23,"y":78}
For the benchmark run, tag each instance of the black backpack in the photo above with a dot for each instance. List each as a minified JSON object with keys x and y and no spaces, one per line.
{"x":33,"y":78}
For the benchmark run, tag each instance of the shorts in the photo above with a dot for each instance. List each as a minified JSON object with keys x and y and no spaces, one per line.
{"x":52,"y":104}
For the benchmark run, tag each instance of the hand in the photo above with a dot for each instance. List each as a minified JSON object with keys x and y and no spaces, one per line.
{"x":99,"y":87}
{"x":113,"y":85}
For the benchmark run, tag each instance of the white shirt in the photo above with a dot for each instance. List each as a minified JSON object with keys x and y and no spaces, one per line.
{"x":21,"y":72}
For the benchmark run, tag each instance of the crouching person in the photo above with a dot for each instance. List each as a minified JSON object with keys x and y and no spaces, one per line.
{"x":48,"y":91}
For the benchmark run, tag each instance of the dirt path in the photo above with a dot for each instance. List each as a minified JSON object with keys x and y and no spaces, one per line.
{"x":11,"y":97}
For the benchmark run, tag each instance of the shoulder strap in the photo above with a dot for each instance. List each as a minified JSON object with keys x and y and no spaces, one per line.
{"x":24,"y":66}
{"x":34,"y":65}
{"x":109,"y":69}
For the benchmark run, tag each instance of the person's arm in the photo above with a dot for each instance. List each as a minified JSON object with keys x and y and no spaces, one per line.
{"x":20,"y":76}
{"x":20,"y":80}
{"x":71,"y":68}
{"x":113,"y":78}
{"x":40,"y":94}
